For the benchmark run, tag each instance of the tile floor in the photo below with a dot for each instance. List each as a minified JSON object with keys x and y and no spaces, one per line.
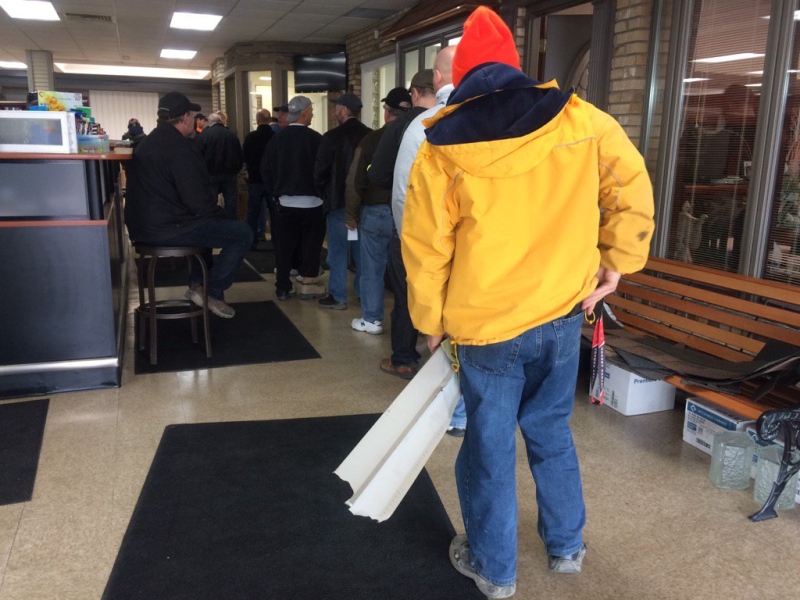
{"x":657,"y":529}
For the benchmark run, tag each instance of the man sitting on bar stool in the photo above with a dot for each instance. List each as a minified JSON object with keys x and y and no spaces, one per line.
{"x":169,"y":203}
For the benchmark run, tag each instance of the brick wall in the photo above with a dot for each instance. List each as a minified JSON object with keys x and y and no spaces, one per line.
{"x":364,"y":46}
{"x":629,"y":64}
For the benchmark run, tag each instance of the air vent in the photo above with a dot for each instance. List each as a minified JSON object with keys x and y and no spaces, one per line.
{"x":85,"y":18}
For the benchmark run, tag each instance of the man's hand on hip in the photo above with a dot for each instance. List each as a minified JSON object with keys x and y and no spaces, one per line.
{"x":607,"y":284}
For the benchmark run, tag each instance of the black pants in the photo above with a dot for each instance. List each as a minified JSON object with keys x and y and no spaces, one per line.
{"x":303,"y":230}
{"x":404,"y":336}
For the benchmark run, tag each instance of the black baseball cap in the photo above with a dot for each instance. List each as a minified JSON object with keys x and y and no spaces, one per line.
{"x":350,"y":101}
{"x":174,"y":105}
{"x":281,"y":108}
{"x":398,"y":98}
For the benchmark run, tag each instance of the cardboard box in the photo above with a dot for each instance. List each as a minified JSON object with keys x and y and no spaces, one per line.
{"x":751,"y":431}
{"x":60,"y":101}
{"x":703,"y":420}
{"x":632,"y":394}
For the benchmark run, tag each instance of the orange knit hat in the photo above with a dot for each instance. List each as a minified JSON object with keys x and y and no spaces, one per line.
{"x":486,"y":39}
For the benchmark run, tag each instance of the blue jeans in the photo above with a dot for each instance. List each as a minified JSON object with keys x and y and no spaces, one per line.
{"x":232,"y":237}
{"x":256,"y":208}
{"x":528,"y":380}
{"x":338,"y":248}
{"x":375,"y":237}
{"x":459,"y":418}
{"x":225,"y":185}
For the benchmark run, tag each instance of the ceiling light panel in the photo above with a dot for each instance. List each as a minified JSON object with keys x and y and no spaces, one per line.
{"x":198,"y":22}
{"x":5,"y":64}
{"x":179,"y":54}
{"x":127,"y":71}
{"x":30,"y":10}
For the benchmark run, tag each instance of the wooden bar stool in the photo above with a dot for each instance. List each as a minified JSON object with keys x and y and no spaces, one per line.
{"x":150,"y":311}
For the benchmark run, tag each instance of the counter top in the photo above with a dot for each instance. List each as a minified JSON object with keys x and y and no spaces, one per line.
{"x":38,"y":156}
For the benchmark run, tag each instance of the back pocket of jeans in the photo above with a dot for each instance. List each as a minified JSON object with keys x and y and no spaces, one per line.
{"x":496,"y":359}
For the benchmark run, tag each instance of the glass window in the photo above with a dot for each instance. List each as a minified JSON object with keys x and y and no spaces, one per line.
{"x":783,"y":257}
{"x":411,"y":66}
{"x":320,"y":101}
{"x":430,"y":54}
{"x":377,"y":78}
{"x":259,"y":85}
{"x":721,"y":100}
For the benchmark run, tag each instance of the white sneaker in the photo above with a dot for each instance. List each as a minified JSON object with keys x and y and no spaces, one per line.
{"x":373,"y":327}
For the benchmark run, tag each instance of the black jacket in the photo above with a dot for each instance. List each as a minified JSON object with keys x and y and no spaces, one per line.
{"x":287,"y":167}
{"x":221,"y":150}
{"x":253,"y":150}
{"x":381,"y":173}
{"x":168,"y":190}
{"x":334,"y":158}
{"x":359,"y":191}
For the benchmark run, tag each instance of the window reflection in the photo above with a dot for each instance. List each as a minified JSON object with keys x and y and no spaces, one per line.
{"x":721,"y":102}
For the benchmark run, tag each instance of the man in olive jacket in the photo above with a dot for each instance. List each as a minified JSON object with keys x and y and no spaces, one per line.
{"x":169,"y":202}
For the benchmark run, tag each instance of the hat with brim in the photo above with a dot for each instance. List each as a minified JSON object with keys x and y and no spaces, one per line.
{"x":297,"y":106}
{"x":349,"y":101}
{"x":423,"y":79}
{"x":174,"y":105}
{"x":398,"y":98}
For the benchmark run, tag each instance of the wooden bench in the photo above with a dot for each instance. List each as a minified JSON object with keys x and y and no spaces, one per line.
{"x":725,"y":315}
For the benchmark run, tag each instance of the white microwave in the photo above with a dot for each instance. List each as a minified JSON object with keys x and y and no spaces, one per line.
{"x":38,"y":131}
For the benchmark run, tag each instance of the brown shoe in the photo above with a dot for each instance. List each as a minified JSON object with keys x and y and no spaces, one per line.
{"x":401,"y":371}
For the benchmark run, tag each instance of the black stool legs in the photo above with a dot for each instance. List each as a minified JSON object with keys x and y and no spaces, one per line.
{"x":150,"y":311}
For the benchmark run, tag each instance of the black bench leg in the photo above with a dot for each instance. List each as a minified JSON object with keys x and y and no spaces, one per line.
{"x":768,"y":426}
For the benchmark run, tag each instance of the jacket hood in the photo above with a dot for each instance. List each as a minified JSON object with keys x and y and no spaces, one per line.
{"x":496,"y":112}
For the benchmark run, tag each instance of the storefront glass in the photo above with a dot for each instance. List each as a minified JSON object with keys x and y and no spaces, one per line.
{"x":783,"y":256}
{"x":410,"y":66}
{"x":430,"y":54}
{"x":377,"y":78}
{"x":721,"y":95}
{"x":259,"y":85}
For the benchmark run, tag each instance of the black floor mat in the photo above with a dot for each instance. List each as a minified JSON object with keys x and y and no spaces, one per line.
{"x":259,"y":333}
{"x":252,"y":510}
{"x":21,"y":431}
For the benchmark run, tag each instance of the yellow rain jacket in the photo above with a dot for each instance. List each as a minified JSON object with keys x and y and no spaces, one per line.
{"x":518,"y":195}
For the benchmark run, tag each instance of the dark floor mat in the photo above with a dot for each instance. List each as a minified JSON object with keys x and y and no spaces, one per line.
{"x":21,"y":431}
{"x":259,"y":333}
{"x":252,"y":510}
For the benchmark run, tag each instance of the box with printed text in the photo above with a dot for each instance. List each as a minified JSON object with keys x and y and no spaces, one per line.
{"x":632,"y":394}
{"x":703,"y":420}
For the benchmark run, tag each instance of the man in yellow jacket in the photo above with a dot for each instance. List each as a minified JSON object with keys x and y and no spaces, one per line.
{"x":524,"y":207}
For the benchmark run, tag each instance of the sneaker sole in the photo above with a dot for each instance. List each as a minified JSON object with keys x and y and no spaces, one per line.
{"x":565,"y":565}
{"x":479,"y":581}
{"x":224,"y":315}
{"x":380,"y":331}
{"x":335,"y":306}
